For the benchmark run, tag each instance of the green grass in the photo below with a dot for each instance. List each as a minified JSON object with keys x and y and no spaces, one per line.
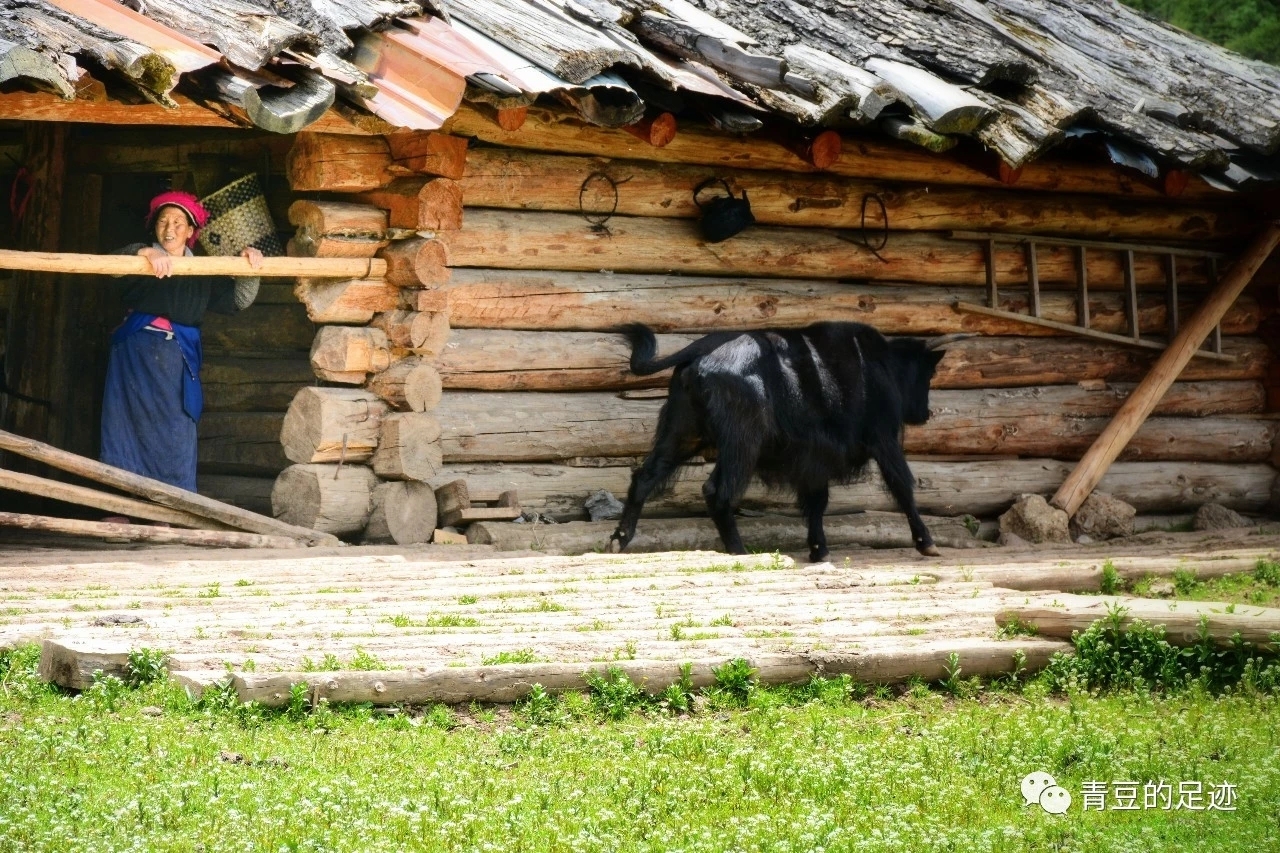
{"x":1260,"y":587}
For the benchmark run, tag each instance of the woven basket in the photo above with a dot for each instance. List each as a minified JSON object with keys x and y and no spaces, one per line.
{"x":238,"y":218}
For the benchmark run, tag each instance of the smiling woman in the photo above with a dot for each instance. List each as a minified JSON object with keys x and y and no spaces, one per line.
{"x":153,"y":398}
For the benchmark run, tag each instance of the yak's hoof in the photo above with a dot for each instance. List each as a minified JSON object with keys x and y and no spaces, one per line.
{"x":615,"y":545}
{"x":930,"y":551}
{"x":817,"y":555}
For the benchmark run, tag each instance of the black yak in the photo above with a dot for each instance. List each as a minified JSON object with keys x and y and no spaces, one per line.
{"x":800,"y":407}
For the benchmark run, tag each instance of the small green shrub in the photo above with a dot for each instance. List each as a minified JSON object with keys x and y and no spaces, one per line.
{"x":1268,"y":572}
{"x":613,"y":694}
{"x":1015,"y":627}
{"x":1111,"y":583}
{"x":145,"y":666}
{"x":517,"y":656}
{"x":541,"y":708}
{"x":678,"y":696}
{"x":735,"y":680}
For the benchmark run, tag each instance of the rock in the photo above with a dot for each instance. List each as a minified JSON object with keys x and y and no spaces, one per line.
{"x":1218,"y":517}
{"x":1160,"y":589}
{"x":1084,"y":539}
{"x":1031,"y":518}
{"x":1012,"y":540}
{"x":603,"y":506}
{"x":1103,"y":517}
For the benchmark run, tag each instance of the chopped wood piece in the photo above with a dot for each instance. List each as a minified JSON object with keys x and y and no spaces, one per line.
{"x":419,"y":204}
{"x":657,"y":131}
{"x":448,"y":537}
{"x":403,"y":513}
{"x":424,"y":332}
{"x":333,"y":247}
{"x":316,"y":219}
{"x":325,"y":162}
{"x":354,"y":301}
{"x":340,"y":353}
{"x":336,"y":499}
{"x":416,"y":263}
{"x":429,"y":153}
{"x":410,"y":384}
{"x":408,"y":447}
{"x":332,"y":425}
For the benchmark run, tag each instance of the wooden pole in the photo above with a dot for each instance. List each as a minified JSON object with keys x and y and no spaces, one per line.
{"x":69,"y":262}
{"x":1085,"y":476}
{"x":161,"y":493}
{"x":145,"y":533}
{"x":32,"y":485}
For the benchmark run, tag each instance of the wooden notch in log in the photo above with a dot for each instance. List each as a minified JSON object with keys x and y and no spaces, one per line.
{"x":418,"y":204}
{"x":533,"y":180}
{"x":1180,"y":620}
{"x":154,"y":490}
{"x":332,"y":425}
{"x":408,"y":447}
{"x":1143,"y":401}
{"x":415,"y":262}
{"x":656,"y":130}
{"x":561,"y":241}
{"x":353,"y":301}
{"x":458,"y":506}
{"x":335,"y":499}
{"x":331,"y":229}
{"x":30,"y":484}
{"x":429,"y":153}
{"x":346,"y":354}
{"x":403,"y":513}
{"x":424,"y":332}
{"x":146,"y":532}
{"x":411,"y":384}
{"x":114,"y":265}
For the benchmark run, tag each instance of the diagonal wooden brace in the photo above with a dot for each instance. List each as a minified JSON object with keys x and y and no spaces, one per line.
{"x":1091,"y":468}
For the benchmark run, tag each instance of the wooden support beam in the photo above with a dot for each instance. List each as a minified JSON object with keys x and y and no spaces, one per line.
{"x":70,"y":262}
{"x":146,"y":532}
{"x":106,"y":501}
{"x":1144,"y":399}
{"x":154,"y":490}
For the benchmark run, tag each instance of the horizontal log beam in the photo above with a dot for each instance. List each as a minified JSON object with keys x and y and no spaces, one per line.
{"x":146,"y":532}
{"x":559,"y":241}
{"x":68,"y":262}
{"x":985,"y":488}
{"x":526,"y":180}
{"x":591,"y":301}
{"x":862,"y":155}
{"x":1037,"y":422}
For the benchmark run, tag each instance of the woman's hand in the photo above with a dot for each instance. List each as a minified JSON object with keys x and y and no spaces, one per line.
{"x":160,"y":260}
{"x":254,"y":256}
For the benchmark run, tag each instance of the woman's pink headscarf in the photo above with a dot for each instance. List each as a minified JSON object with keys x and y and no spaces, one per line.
{"x":188,"y":204}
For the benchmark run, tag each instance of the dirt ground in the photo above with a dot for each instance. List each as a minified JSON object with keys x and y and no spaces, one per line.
{"x":450,"y":606}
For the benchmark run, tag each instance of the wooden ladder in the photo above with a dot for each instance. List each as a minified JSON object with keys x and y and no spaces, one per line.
{"x":1082,"y":326}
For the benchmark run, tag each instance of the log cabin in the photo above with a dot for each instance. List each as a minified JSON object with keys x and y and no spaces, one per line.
{"x":1064,"y":181}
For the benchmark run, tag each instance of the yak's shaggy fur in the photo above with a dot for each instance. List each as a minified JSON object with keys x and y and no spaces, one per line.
{"x":801,"y":408}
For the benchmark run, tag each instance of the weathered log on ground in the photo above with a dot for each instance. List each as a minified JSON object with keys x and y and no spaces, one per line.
{"x":245,"y":443}
{"x":942,"y":488}
{"x":507,"y":683}
{"x":416,"y":263}
{"x":30,"y":484}
{"x":422,"y":204}
{"x":353,"y":302}
{"x":576,"y":361}
{"x":877,"y":159}
{"x":560,"y":241}
{"x":346,"y":354}
{"x":530,"y":299}
{"x":260,"y":329}
{"x":332,"y":425}
{"x":408,"y":447}
{"x":525,"y":180}
{"x":332,"y":229}
{"x":403,"y":513}
{"x":336,"y":499}
{"x":146,"y":532}
{"x":770,"y":533}
{"x":253,"y":384}
{"x":1180,"y":619}
{"x":251,"y":493}
{"x":72,"y":663}
{"x":1052,"y":422}
{"x":424,"y":332}
{"x":410,"y":384}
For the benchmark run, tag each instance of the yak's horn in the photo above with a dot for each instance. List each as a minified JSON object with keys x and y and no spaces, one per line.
{"x":942,"y":341}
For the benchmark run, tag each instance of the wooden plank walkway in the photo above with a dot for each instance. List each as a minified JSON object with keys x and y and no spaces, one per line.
{"x":417,"y":609}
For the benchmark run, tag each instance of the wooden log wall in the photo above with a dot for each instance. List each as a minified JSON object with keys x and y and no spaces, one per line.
{"x":494,"y":321}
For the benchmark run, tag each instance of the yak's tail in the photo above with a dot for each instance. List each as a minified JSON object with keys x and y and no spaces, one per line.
{"x":644,"y":349}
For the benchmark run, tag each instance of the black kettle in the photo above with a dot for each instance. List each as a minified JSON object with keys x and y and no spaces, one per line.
{"x":724,"y":215}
